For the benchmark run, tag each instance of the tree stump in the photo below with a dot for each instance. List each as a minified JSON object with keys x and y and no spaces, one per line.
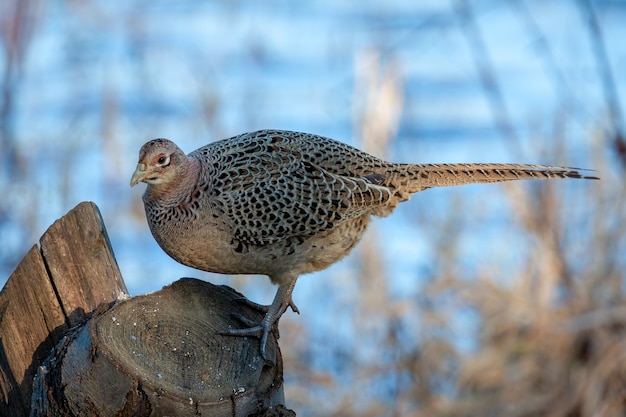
{"x":161,"y":354}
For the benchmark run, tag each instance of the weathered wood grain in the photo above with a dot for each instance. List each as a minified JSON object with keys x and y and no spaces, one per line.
{"x":52,"y":288}
{"x":31,"y":317}
{"x":81,"y":263}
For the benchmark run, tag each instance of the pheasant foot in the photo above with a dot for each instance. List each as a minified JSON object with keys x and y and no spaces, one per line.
{"x":273,"y":312}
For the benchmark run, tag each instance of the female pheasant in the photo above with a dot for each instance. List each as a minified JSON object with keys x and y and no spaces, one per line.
{"x":283,"y":203}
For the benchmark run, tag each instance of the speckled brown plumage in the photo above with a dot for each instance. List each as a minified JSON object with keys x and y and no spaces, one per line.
{"x":283,"y":203}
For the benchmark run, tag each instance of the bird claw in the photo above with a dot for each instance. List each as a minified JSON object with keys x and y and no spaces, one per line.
{"x":260,"y":331}
{"x":263,"y":308}
{"x":293,"y":306}
{"x":245,"y":320}
{"x":254,"y":331}
{"x":255,"y":306}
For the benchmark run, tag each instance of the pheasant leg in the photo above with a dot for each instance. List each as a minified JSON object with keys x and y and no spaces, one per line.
{"x":282,"y":300}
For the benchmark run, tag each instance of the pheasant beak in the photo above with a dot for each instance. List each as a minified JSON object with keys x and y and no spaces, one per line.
{"x":138,"y":175}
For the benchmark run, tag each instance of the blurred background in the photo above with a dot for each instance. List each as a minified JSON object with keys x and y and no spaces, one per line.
{"x":494,"y":300}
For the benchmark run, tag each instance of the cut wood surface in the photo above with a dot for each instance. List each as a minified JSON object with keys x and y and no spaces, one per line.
{"x":164,"y":354}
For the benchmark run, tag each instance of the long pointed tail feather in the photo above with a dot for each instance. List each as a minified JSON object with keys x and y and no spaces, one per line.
{"x":425,"y":176}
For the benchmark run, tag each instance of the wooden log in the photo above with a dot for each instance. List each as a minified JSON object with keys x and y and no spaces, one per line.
{"x":164,"y":354}
{"x":54,"y":287}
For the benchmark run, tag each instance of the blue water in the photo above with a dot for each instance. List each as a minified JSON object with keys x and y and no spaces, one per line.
{"x":98,"y":79}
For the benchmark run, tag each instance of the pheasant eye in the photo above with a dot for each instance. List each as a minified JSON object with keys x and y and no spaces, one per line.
{"x":163,"y":160}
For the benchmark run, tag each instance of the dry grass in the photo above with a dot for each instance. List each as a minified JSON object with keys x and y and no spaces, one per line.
{"x":552,"y":334}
